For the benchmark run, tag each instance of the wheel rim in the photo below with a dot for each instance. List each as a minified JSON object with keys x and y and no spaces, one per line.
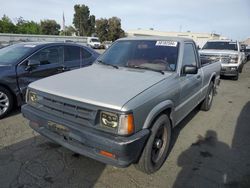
{"x":159,"y":144}
{"x":210,"y":96}
{"x":4,"y":103}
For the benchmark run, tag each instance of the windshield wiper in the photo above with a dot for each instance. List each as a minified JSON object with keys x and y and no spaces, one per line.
{"x":103,"y":63}
{"x":146,"y":68}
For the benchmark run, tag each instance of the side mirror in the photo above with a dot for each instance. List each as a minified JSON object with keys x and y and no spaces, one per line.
{"x":33,"y":63}
{"x":189,"y":69}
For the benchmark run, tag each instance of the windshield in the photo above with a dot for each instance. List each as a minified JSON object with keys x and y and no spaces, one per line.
{"x":150,"y":54}
{"x":94,"y":40}
{"x":221,"y":46}
{"x":13,"y":53}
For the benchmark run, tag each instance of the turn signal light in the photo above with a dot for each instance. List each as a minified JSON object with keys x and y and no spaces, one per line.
{"x":107,"y":154}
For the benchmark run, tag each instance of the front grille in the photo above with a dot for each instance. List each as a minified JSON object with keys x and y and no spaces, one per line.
{"x":225,"y":59}
{"x":68,"y":109}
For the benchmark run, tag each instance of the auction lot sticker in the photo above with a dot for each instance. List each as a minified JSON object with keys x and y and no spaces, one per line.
{"x":166,"y":43}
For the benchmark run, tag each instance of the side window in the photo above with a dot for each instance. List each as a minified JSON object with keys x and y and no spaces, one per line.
{"x":71,"y":53}
{"x":85,"y":54}
{"x":189,"y":55}
{"x":50,"y":55}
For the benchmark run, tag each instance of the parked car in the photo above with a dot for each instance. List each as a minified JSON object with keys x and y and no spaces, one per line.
{"x":144,"y":88}
{"x":107,"y":44}
{"x":21,"y":64}
{"x":247,"y":52}
{"x":228,"y":53}
{"x":94,"y":42}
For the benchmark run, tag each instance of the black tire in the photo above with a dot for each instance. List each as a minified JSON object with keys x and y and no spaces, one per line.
{"x":156,"y":149}
{"x":207,"y":102}
{"x":241,"y":68}
{"x":5,"y":94}
{"x":236,"y":77}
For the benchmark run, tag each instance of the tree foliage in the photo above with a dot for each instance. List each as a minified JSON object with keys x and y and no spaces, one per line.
{"x":27,"y":27}
{"x":69,"y":31}
{"x":6,"y":25}
{"x":50,"y":27}
{"x":109,"y":29}
{"x":102,"y":29}
{"x":85,"y":25}
{"x":115,"y":30}
{"x":83,"y":21}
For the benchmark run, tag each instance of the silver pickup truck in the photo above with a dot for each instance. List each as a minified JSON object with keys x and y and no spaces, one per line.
{"x":121,"y":110}
{"x":228,"y":53}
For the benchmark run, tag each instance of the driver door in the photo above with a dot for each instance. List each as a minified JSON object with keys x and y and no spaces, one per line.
{"x":50,"y":63}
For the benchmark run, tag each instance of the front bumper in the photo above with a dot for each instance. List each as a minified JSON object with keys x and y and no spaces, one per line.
{"x":229,"y":71}
{"x":87,"y":141}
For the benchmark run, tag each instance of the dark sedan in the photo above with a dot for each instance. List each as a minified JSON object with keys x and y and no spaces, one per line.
{"x":21,"y":64}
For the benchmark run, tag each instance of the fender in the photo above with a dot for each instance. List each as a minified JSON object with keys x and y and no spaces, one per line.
{"x":156,"y":111}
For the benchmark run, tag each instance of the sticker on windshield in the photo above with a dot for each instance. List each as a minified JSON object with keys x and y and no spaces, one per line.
{"x":166,"y":43}
{"x":29,"y":46}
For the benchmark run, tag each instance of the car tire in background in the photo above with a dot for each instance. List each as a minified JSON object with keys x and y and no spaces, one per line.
{"x":6,"y":102}
{"x":156,"y":150}
{"x":236,"y":77}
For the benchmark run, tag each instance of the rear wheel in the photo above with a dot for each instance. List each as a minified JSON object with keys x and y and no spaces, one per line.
{"x":207,"y":103}
{"x":6,"y":102}
{"x":156,"y":149}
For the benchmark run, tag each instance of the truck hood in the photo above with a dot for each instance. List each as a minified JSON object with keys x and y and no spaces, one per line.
{"x":218,"y":52}
{"x":100,"y":85}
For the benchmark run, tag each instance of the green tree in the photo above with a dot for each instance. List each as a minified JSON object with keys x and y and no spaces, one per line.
{"x":115,"y":30}
{"x":6,"y":25}
{"x":102,"y":29}
{"x":50,"y":27}
{"x":69,"y":31}
{"x":27,"y":27}
{"x":83,"y":21}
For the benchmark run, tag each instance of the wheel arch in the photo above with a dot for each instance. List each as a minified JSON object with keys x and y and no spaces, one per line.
{"x":165,"y":107}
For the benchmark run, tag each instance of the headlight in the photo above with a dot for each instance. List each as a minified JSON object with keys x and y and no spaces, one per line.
{"x":233,"y":59}
{"x":33,"y":98}
{"x":123,"y":124}
{"x":109,"y":119}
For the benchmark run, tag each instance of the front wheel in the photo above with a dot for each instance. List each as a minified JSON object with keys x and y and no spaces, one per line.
{"x":6,"y":102}
{"x":156,"y":149}
{"x":207,"y":103}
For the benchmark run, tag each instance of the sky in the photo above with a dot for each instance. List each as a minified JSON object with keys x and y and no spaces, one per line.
{"x":229,"y":18}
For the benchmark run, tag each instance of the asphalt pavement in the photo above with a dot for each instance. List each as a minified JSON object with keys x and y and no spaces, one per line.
{"x":209,"y":149}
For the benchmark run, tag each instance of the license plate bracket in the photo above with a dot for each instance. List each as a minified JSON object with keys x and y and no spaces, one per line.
{"x":58,"y":128}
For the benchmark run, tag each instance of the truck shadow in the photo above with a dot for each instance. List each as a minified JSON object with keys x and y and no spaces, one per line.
{"x":181,"y":125}
{"x":208,"y":162}
{"x":38,"y":163}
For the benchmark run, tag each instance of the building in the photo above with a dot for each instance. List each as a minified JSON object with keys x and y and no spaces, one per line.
{"x":246,"y":42}
{"x":199,"y":38}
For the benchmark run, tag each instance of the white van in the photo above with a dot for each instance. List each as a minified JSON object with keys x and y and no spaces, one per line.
{"x":93,"y":42}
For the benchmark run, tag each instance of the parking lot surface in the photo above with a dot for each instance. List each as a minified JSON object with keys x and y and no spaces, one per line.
{"x":209,"y":149}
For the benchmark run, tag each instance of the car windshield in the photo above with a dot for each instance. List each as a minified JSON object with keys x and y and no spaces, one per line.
{"x":13,"y":53}
{"x":221,"y":46}
{"x":94,"y":40}
{"x":149,"y":54}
